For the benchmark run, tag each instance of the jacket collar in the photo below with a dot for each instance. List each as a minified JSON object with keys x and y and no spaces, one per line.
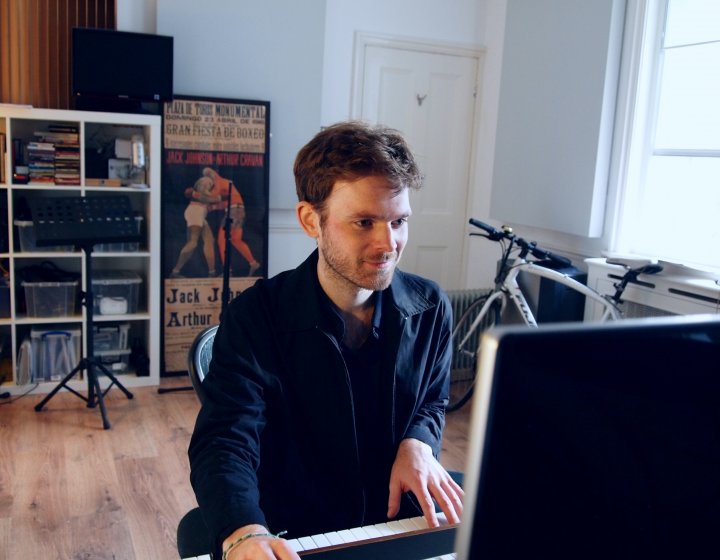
{"x":300,"y":297}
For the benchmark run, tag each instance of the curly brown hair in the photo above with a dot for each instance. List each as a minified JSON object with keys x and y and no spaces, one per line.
{"x":349,"y":151}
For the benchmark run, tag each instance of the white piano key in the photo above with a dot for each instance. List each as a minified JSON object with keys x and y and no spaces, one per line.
{"x":407,"y":524}
{"x":359,"y":534}
{"x":321,"y":540}
{"x":334,"y":538}
{"x":307,"y":543}
{"x":346,"y":536}
{"x":384,"y":529}
{"x":420,"y":523}
{"x":295,"y":545}
{"x":396,"y":527}
{"x":373,"y":531}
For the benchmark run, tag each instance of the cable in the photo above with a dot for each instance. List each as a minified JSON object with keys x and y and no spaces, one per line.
{"x":10,"y":400}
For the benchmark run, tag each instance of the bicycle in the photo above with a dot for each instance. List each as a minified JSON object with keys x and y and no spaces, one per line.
{"x":486,"y":310}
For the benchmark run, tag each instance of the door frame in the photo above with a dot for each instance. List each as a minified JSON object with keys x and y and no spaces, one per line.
{"x":364,"y":39}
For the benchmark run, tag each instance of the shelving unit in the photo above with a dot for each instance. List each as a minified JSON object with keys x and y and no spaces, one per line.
{"x":97,"y":134}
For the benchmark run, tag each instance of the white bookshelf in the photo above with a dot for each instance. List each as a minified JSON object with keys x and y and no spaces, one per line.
{"x":97,"y":134}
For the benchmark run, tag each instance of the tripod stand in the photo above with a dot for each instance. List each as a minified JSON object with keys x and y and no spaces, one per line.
{"x":84,"y":222}
{"x":228,"y":249}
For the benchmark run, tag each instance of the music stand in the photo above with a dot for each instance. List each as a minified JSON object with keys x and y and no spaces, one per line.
{"x":84,"y":222}
{"x":228,"y":249}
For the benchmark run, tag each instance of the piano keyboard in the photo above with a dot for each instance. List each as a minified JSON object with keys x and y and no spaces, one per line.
{"x":404,"y":539}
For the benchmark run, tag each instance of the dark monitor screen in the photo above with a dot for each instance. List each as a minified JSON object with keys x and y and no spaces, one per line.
{"x":121,"y":64}
{"x":595,"y":441}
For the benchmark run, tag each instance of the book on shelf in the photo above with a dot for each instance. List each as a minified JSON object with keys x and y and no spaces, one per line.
{"x":3,"y":152}
{"x":54,"y":156}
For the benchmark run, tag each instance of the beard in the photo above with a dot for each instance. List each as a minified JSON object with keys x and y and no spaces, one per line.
{"x":355,"y":271}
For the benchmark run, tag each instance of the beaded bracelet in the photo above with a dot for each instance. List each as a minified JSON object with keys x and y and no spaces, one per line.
{"x":249,"y":536}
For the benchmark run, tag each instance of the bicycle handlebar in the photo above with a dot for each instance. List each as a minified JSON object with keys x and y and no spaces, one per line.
{"x":525,"y":246}
{"x":495,"y":234}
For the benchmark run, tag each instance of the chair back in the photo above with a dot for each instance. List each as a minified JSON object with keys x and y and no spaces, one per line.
{"x":199,"y":358}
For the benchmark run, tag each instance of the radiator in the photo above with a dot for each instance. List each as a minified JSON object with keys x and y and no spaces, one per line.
{"x":460,"y":301}
{"x":670,"y":292}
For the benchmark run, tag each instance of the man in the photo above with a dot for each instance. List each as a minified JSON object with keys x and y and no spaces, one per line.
{"x":328,"y":384}
{"x":201,"y":195}
{"x":226,"y":189}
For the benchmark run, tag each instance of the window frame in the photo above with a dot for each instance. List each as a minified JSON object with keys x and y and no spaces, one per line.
{"x":638,"y":102}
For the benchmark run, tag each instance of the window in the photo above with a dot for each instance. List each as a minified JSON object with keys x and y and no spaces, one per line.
{"x":671,"y":190}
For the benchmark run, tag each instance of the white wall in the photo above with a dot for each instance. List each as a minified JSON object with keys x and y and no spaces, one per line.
{"x":456,"y":21}
{"x":471,"y":23}
{"x":298,"y":56}
{"x":475,"y":23}
{"x":483,"y":255}
{"x":269,"y":51}
{"x":139,"y":16}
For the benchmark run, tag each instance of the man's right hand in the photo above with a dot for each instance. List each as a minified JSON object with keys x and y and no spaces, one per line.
{"x":264,"y":546}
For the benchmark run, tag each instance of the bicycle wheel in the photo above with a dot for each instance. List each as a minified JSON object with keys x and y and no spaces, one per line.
{"x":465,"y":346}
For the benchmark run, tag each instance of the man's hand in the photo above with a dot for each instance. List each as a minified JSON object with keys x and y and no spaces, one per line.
{"x":257,"y":547}
{"x":416,"y":470}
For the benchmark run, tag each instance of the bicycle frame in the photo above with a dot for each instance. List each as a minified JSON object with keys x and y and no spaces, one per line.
{"x":508,"y":288}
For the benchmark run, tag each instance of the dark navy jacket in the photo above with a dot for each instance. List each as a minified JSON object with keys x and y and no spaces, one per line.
{"x":275,"y":442}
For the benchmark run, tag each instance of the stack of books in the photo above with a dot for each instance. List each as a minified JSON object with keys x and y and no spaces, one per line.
{"x":65,"y":140}
{"x":54,"y":157}
{"x":41,"y":162}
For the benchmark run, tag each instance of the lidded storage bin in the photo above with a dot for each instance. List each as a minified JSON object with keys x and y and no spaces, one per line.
{"x":111,"y":337}
{"x":55,"y":353}
{"x":115,"y":292}
{"x":26,"y":236}
{"x":50,"y":299}
{"x":124,"y":247}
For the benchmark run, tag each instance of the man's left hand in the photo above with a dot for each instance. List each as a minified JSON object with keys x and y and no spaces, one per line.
{"x":416,"y":470}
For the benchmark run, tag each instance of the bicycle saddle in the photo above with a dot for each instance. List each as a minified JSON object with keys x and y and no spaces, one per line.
{"x":629,"y":263}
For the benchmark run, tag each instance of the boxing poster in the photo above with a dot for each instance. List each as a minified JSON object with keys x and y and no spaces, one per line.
{"x":214,"y":213}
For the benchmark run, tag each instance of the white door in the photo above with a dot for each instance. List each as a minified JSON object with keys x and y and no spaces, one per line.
{"x":430,"y":98}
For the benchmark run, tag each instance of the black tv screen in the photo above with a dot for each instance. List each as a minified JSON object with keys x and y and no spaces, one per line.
{"x":121,"y":65}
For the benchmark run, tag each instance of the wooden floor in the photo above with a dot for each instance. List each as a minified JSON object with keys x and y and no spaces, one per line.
{"x":71,"y":490}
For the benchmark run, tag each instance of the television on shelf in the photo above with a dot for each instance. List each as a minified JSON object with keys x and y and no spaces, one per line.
{"x":121,"y":71}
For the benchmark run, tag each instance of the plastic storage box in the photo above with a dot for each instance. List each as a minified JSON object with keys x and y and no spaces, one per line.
{"x":55,"y":353}
{"x":50,"y":299}
{"x":115,"y":292}
{"x":116,"y":361}
{"x":111,"y":337}
{"x":26,"y":235}
{"x":124,"y":247}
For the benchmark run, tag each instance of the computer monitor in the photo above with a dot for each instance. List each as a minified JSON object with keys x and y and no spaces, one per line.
{"x":595,"y":441}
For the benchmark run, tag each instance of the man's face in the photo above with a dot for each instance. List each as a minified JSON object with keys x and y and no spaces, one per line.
{"x":363,"y":233}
